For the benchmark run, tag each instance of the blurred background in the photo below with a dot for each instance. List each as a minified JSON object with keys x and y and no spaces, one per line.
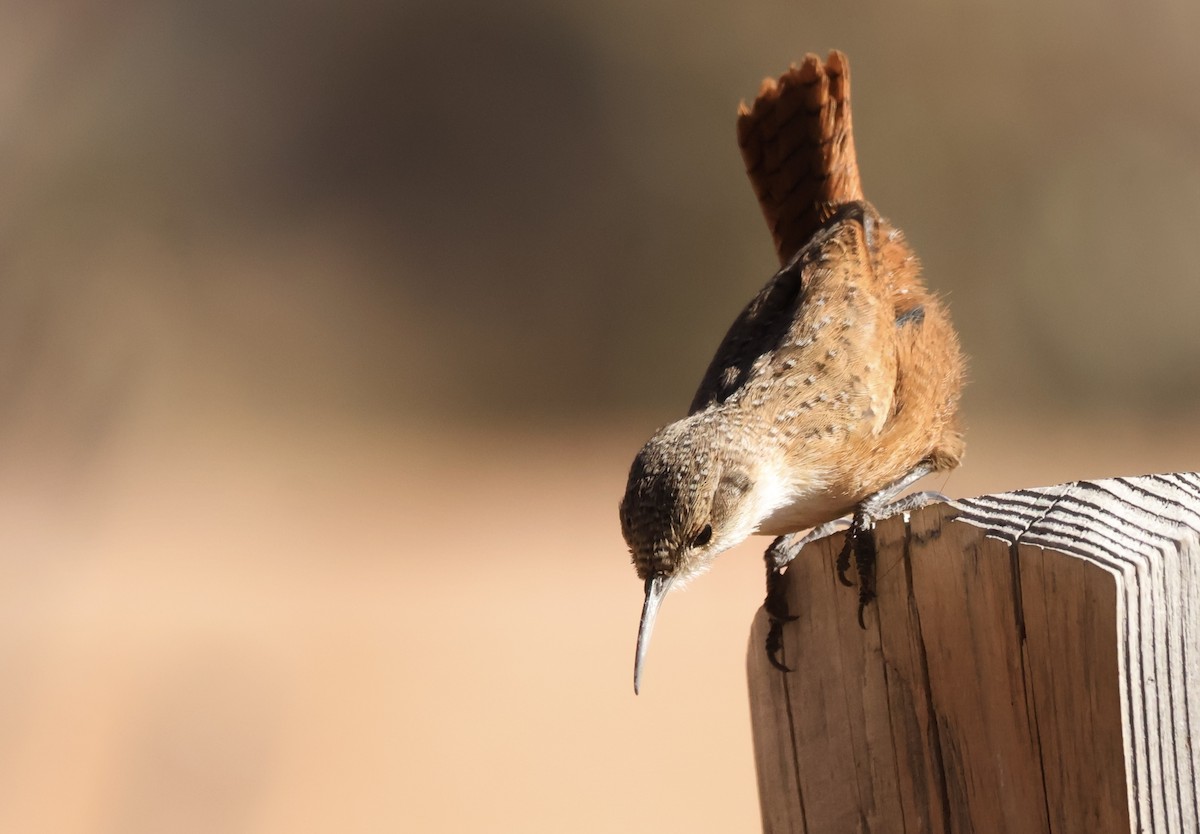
{"x":328,"y":331}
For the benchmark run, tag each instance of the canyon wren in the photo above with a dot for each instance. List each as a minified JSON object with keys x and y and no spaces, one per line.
{"x":834,"y":390}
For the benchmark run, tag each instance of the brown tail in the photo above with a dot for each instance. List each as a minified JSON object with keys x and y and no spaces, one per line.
{"x":799,"y":149}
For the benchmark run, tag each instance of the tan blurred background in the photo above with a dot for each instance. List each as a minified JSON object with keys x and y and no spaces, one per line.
{"x":328,"y":331}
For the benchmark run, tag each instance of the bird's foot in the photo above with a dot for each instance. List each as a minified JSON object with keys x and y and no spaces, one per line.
{"x":781,"y":552}
{"x":860,"y":543}
{"x":778,"y":556}
{"x":860,"y":539}
{"x":907,"y":504}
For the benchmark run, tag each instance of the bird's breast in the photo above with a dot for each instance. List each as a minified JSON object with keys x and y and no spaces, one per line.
{"x":804,"y":513}
{"x":797,"y":500}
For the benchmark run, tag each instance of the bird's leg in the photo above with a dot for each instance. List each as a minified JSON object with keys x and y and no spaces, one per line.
{"x":778,"y":556}
{"x":909,"y":503}
{"x":860,"y":538}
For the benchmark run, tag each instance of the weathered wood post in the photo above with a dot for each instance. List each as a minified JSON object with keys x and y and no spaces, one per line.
{"x":1031,"y":665}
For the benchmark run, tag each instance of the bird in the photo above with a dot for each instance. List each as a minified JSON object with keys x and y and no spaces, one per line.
{"x":834,"y":390}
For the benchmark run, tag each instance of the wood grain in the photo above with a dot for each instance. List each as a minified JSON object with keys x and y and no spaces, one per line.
{"x":1029,"y":666}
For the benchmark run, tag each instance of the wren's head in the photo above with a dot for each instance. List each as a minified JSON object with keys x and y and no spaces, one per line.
{"x":691,"y":495}
{"x":687,"y":500}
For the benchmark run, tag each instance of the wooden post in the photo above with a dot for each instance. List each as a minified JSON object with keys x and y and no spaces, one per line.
{"x":1030,"y":665}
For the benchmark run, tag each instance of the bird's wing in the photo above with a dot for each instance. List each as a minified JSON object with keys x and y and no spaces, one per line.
{"x":819,"y":327}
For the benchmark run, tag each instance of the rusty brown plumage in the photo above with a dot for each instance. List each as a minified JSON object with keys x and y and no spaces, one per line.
{"x":834,"y":389}
{"x":798,"y":144}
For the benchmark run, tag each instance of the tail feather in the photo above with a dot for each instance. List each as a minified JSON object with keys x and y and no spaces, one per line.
{"x":798,"y":144}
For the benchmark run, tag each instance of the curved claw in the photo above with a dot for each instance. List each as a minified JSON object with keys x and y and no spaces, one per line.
{"x":775,"y":645}
{"x":780,"y":617}
{"x":865,"y":597}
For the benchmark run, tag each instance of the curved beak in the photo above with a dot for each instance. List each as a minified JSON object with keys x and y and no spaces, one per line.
{"x":656,"y":588}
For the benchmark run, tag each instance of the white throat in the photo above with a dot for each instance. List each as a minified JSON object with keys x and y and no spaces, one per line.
{"x":792,"y":502}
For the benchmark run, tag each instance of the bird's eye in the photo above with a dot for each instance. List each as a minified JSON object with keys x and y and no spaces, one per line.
{"x":703,"y":537}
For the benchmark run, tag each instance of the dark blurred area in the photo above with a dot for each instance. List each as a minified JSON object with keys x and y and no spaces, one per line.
{"x":327,"y":332}
{"x":461,"y":210}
